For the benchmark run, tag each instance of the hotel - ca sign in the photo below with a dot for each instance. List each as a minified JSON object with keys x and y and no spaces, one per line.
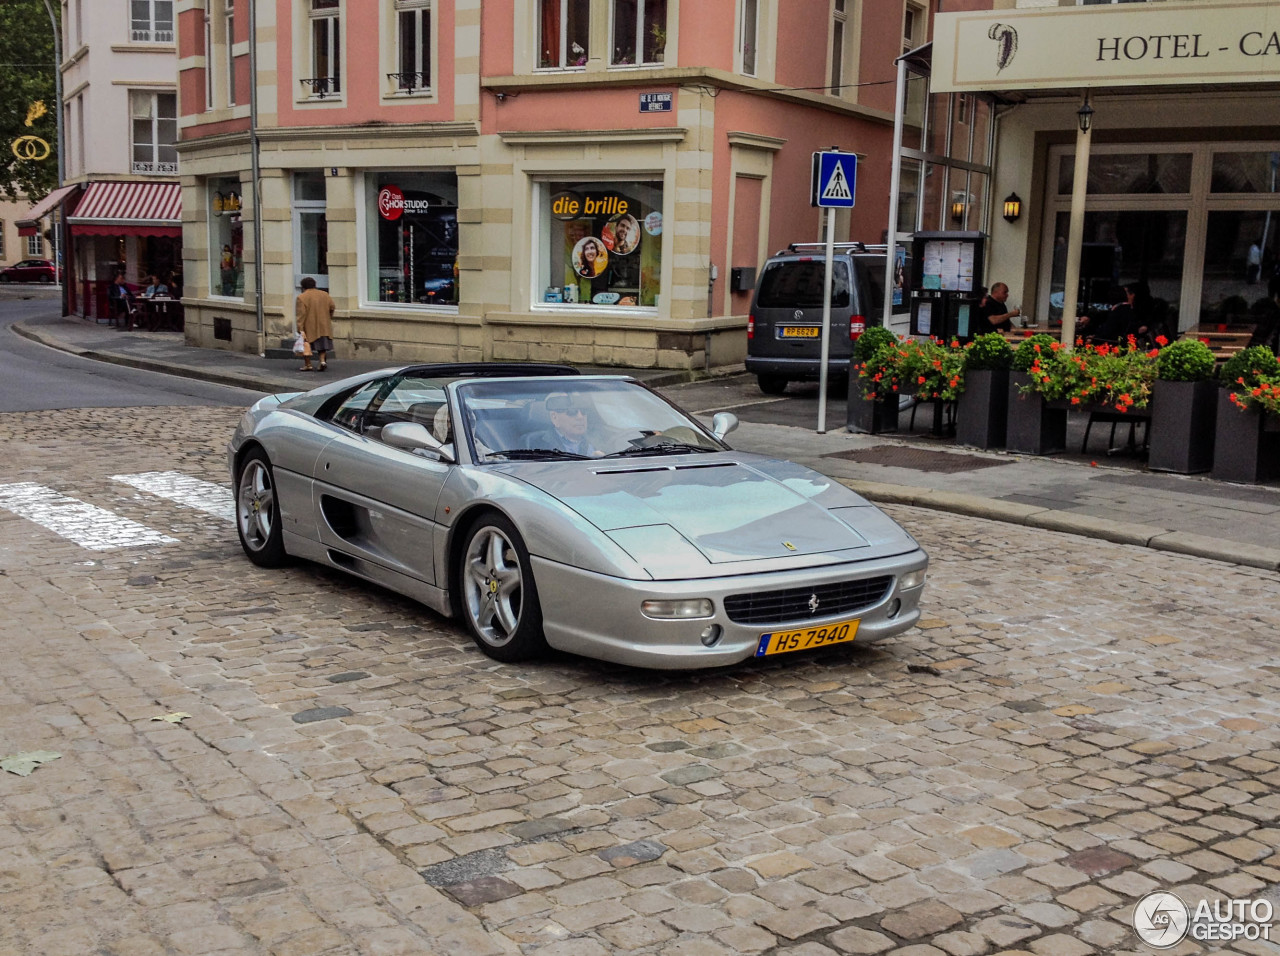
{"x":1131,"y":45}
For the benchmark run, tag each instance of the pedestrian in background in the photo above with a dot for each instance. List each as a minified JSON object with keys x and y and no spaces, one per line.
{"x":315,"y":322}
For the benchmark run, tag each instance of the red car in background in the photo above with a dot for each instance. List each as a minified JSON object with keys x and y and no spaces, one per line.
{"x":29,"y":270}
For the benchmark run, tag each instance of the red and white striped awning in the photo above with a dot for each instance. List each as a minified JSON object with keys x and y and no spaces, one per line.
{"x":29,"y":225}
{"x":137,"y":209}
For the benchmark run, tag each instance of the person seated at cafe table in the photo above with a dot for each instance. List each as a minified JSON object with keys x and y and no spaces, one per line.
{"x":993,"y":315}
{"x":1267,"y":313}
{"x":1131,"y":313}
{"x":155,"y":287}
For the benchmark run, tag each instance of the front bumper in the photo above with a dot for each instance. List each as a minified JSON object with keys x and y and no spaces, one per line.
{"x":599,"y":616}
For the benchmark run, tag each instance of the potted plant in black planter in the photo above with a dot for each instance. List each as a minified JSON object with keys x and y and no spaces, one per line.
{"x":1184,"y":403}
{"x":1035,"y":427}
{"x":1247,"y":445}
{"x":982,"y":409}
{"x":873,"y":382}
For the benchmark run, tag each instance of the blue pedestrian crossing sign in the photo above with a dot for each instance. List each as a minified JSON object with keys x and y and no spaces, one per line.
{"x":834,"y":182}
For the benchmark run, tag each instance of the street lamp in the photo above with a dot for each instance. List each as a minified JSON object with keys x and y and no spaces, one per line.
{"x":1085,"y":115}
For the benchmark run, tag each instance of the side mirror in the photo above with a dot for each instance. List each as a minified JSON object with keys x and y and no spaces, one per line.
{"x":723,"y":423}
{"x":411,"y":436}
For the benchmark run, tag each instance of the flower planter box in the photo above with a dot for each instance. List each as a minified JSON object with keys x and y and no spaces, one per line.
{"x":1035,"y":427}
{"x":868,"y":416}
{"x":982,"y":410}
{"x":1247,"y":444}
{"x":1181,"y":437}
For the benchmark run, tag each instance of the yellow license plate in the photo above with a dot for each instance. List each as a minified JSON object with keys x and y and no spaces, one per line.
{"x":800,"y":331}
{"x":780,"y":642}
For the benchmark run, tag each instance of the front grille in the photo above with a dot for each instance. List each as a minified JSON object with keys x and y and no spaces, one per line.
{"x":792,"y":605}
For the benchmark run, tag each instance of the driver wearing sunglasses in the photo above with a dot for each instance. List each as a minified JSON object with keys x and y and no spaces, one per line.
{"x":568,"y":431}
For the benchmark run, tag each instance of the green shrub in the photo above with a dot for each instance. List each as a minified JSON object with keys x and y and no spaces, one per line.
{"x":870,"y":342}
{"x":1026,"y":351}
{"x":988,"y":351}
{"x":1186,"y":360}
{"x":1248,"y":366}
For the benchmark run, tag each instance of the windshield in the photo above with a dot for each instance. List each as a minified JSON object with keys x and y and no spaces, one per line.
{"x":546,"y":419}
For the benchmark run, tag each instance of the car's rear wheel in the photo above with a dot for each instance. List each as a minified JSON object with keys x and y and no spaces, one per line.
{"x":258,"y":512}
{"x":46,"y":279}
{"x":499,"y":597}
{"x":772,"y":384}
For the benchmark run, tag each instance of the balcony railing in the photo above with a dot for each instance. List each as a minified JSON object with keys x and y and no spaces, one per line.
{"x":410,"y":82}
{"x":152,"y":36}
{"x":322,"y":86}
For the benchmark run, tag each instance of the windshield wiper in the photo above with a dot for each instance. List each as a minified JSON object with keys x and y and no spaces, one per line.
{"x":535,"y":454}
{"x":665,"y":448}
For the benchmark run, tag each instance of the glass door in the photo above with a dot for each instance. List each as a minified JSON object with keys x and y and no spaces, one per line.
{"x":310,"y":230}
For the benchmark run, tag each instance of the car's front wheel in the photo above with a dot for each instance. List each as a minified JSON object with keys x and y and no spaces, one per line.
{"x":499,"y":598}
{"x":4,"y":277}
{"x":258,"y":512}
{"x":772,"y":384}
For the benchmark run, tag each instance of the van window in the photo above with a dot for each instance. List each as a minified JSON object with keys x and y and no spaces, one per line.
{"x":797,"y":284}
{"x":873,"y":268}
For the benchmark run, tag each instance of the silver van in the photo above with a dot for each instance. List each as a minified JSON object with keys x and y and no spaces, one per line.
{"x":784,"y":331}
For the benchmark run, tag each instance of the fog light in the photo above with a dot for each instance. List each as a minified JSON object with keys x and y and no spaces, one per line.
{"x":912,"y":579}
{"x":894,"y":607}
{"x":682,"y":610}
{"x":711,"y":634}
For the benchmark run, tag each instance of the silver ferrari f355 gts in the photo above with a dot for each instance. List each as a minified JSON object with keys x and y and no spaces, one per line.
{"x":584,"y":512}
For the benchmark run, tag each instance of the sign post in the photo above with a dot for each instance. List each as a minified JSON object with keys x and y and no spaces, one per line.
{"x":831,"y":187}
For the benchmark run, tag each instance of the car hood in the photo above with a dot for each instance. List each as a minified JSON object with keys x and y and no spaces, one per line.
{"x":699,"y":515}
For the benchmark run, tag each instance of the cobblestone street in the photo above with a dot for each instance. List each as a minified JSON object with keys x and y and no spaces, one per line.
{"x":1075,"y":724}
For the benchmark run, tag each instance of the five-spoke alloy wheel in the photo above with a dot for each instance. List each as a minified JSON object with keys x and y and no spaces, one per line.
{"x":258,"y":512}
{"x":499,"y":598}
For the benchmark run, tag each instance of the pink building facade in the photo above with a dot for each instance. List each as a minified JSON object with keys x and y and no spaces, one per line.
{"x":593,"y":181}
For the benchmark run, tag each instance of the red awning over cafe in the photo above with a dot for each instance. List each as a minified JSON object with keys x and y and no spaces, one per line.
{"x":129,"y":209}
{"x":29,"y":225}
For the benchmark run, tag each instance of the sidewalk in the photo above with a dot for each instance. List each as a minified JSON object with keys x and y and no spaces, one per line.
{"x":1239,"y":524}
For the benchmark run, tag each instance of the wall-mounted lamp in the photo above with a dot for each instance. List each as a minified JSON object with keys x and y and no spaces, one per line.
{"x":957,"y":210}
{"x":1012,"y":207}
{"x":1085,"y":115}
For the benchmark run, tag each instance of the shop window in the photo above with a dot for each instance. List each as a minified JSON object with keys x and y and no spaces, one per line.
{"x":601,"y":243}
{"x":151,"y":21}
{"x":639,"y":32}
{"x":326,"y":50}
{"x":413,"y":46}
{"x":412,"y":237}
{"x":1120,"y":247}
{"x":1239,"y":257}
{"x":1129,"y":173}
{"x":155,"y":131}
{"x":1253,"y":172}
{"x":226,"y":239}
{"x":748,"y":30}
{"x":563,"y":33}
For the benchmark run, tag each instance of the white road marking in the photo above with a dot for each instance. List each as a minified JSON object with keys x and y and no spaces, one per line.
{"x":191,"y":492}
{"x":88,"y":526}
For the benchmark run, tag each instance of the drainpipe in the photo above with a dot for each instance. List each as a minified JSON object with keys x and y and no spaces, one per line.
{"x":62,"y":159}
{"x":255,"y":172}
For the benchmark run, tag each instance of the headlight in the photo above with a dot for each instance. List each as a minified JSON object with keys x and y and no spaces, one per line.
{"x":686,"y":609}
{"x":912,"y":579}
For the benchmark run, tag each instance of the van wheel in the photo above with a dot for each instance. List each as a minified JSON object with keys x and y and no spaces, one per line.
{"x":772,"y":384}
